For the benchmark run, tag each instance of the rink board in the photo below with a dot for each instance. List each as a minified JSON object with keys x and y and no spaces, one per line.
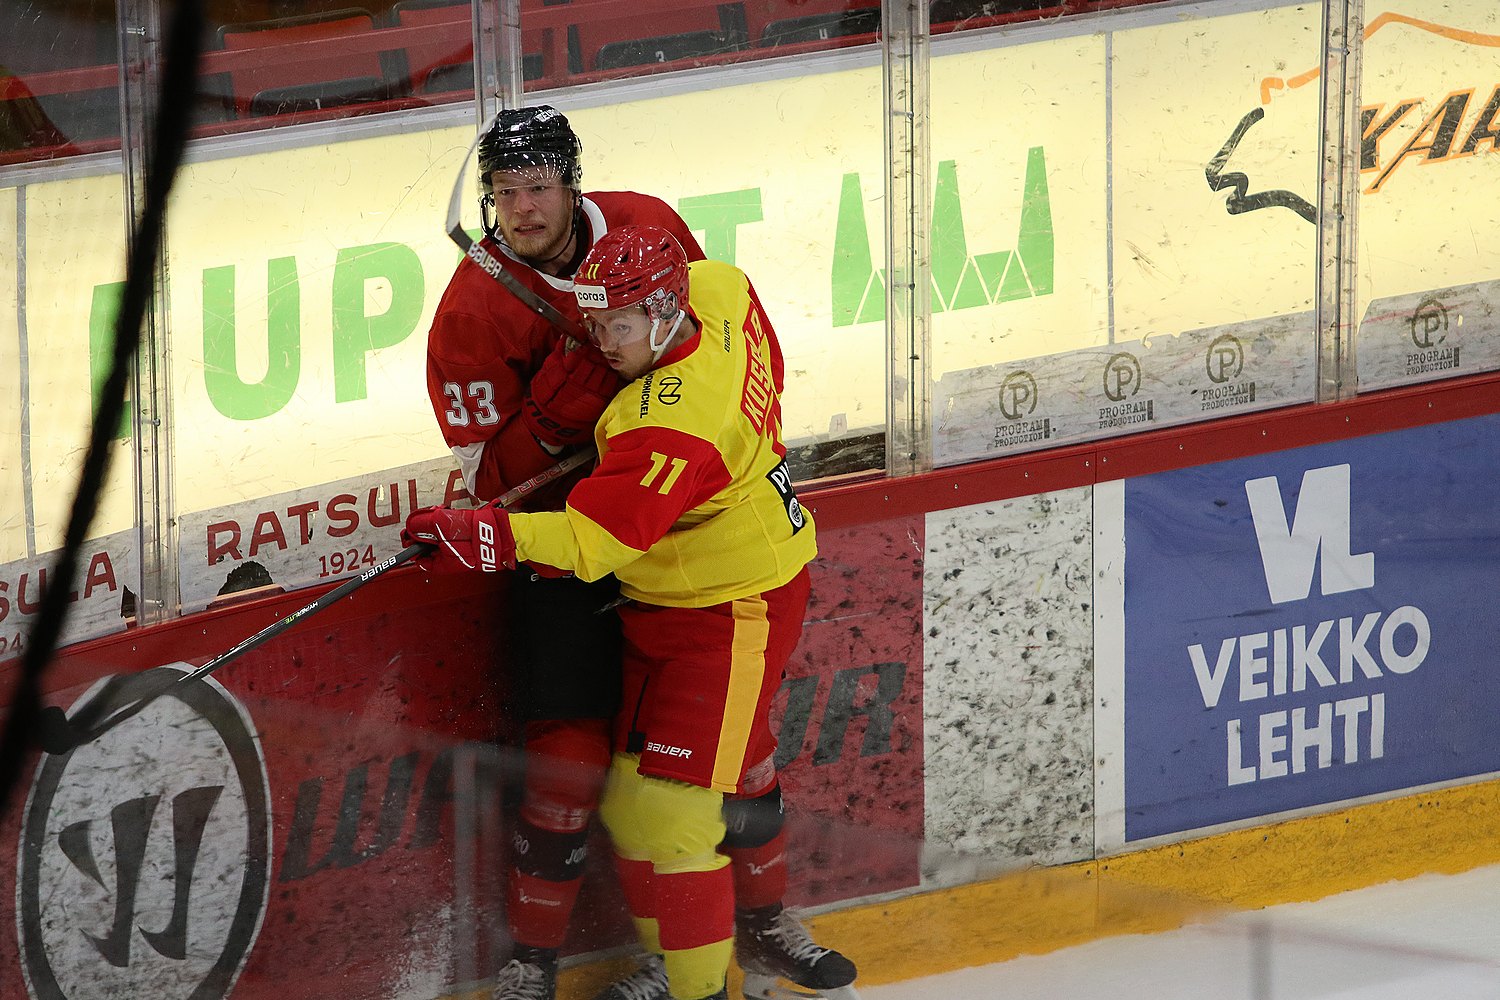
{"x":964,"y":702}
{"x":997,"y":666}
{"x":331,"y":803}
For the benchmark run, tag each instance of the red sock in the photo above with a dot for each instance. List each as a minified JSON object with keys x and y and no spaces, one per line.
{"x":759,"y":873}
{"x":539,"y":910}
{"x":635,"y":882}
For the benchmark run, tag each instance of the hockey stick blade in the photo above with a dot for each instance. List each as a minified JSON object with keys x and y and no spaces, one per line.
{"x":53,"y":731}
{"x":58,"y":734}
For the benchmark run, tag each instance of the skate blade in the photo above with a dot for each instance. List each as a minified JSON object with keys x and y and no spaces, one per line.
{"x":759,"y":986}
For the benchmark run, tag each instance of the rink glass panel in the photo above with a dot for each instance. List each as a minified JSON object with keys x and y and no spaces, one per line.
{"x":1428,"y":279}
{"x":1088,"y":277}
{"x":1095,"y":268}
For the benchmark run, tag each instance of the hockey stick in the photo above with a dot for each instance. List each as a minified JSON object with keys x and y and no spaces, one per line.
{"x":493,"y":266}
{"x":59,"y":734}
{"x":179,"y":81}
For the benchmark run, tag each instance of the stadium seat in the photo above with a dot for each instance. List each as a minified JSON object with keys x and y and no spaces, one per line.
{"x":643,"y":38}
{"x":787,"y":22}
{"x":52,"y":38}
{"x":333,"y":77}
{"x":952,"y":15}
{"x":452,"y":58}
{"x":440,"y":67}
{"x":318,"y":96}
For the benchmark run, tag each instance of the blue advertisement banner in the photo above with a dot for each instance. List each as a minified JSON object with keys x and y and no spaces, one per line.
{"x":1311,"y":626}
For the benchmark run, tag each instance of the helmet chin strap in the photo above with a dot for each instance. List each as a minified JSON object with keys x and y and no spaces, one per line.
{"x":658,"y":349}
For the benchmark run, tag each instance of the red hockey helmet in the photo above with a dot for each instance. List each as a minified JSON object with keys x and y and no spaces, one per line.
{"x":634,"y":265}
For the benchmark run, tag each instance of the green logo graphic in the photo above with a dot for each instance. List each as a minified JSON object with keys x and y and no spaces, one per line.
{"x":102,"y":315}
{"x":719,"y":216}
{"x":960,"y":280}
{"x":356,"y":333}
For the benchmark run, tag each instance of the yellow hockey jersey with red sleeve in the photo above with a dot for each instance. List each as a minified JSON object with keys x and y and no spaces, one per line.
{"x":485,"y":345}
{"x":691,"y":504}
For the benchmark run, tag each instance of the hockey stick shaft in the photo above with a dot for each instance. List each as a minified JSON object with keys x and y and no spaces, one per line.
{"x":245,"y":645}
{"x":61,"y":739}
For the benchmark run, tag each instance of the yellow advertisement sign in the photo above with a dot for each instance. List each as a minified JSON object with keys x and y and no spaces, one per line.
{"x":1019,"y":202}
{"x":1089,"y":189}
{"x":73,"y":235}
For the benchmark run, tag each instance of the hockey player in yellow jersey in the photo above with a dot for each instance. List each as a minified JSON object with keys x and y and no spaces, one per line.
{"x":692,"y":508}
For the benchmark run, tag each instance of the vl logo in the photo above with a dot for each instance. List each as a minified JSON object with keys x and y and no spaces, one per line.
{"x":143,"y":866}
{"x":1318,"y":537}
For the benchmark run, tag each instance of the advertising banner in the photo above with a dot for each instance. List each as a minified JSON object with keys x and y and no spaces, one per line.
{"x":308,"y":822}
{"x":1105,"y":195}
{"x":1100,"y":391}
{"x":1310,"y":626}
{"x":326,"y":810}
{"x":308,"y":536}
{"x":100,"y":599}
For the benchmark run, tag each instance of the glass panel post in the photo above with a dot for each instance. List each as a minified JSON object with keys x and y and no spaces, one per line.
{"x":508,"y":45}
{"x":489,"y":45}
{"x":139,"y":24}
{"x":905,"y":44}
{"x":1338,"y":197}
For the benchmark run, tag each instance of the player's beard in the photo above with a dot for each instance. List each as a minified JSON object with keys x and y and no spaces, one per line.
{"x":540,"y":245}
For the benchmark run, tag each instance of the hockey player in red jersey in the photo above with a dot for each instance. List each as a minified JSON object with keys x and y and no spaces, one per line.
{"x":512,"y":395}
{"x":511,"y":399}
{"x":692,"y":508}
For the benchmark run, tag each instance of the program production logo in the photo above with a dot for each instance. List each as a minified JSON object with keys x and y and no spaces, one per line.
{"x":144,"y":859}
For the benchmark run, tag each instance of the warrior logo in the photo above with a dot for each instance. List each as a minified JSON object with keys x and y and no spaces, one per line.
{"x":144,"y":858}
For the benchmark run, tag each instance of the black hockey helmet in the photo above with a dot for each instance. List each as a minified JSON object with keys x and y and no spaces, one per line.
{"x":530,"y":137}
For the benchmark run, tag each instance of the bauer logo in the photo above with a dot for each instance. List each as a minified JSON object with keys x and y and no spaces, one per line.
{"x":1310,"y":626}
{"x":144,"y":856}
{"x":590,"y":297}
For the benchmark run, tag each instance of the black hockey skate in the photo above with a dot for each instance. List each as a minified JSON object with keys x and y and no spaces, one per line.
{"x":772,"y":945}
{"x":527,"y":977}
{"x":649,"y":982}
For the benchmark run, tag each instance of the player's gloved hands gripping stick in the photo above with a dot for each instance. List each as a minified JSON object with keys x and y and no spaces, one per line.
{"x":469,"y":539}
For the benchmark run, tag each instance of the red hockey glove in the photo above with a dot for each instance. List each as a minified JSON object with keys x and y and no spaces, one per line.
{"x":568,"y":394}
{"x":472,"y":539}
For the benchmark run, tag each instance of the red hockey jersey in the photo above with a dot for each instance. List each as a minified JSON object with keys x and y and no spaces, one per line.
{"x":485,"y":345}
